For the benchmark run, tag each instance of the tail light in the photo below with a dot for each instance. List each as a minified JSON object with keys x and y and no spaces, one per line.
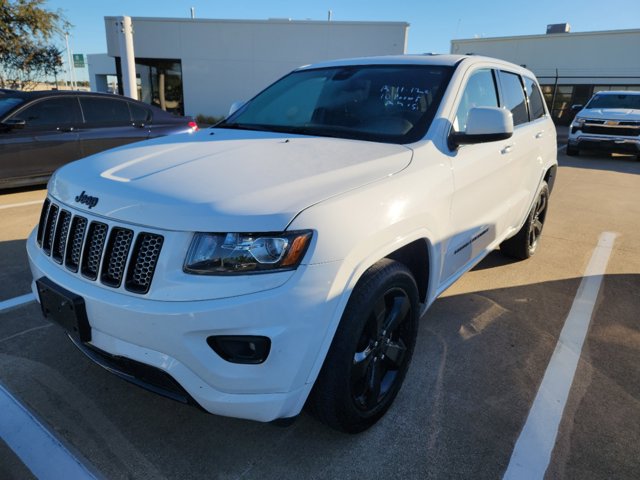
{"x":193,"y":126}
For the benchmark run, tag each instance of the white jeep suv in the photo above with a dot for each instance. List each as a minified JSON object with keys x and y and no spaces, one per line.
{"x":609,"y":123}
{"x":285,"y":256}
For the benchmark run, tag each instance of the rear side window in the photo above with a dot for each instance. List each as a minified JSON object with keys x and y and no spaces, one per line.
{"x":479,"y":92}
{"x":139,"y":114}
{"x":514,"y":97}
{"x":105,"y":111}
{"x":51,"y":112}
{"x":536,"y":107}
{"x":8,"y":103}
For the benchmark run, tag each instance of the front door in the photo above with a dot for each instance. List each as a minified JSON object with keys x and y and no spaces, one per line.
{"x":481,"y":201}
{"x":48,"y":140}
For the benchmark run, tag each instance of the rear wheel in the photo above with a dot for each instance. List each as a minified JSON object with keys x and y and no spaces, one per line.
{"x":524,"y":244}
{"x":371,"y":350}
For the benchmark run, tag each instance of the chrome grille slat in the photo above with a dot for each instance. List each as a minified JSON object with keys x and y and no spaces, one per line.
{"x":43,"y":218}
{"x":74,"y":244}
{"x":143,"y":262}
{"x":93,"y":247}
{"x":49,"y":229}
{"x":115,"y":258}
{"x":60,"y":237}
{"x":115,"y":254}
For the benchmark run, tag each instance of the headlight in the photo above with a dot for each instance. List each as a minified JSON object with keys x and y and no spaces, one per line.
{"x":242,"y":253}
{"x":577,"y":122}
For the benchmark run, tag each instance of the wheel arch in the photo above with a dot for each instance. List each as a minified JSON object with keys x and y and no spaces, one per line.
{"x":415,"y":256}
{"x":550,"y":176}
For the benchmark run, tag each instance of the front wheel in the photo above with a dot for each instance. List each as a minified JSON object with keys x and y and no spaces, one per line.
{"x":572,"y":151}
{"x":524,"y":243}
{"x":370,"y":353}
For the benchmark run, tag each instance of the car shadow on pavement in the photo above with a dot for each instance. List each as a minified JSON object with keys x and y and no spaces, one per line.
{"x":593,"y":161}
{"x":479,"y":359}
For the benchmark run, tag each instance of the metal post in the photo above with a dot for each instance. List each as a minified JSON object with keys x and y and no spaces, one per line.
{"x":124,"y":28}
{"x":69,"y":63}
{"x":553,"y":98}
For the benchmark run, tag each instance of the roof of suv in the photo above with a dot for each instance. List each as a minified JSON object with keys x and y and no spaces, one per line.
{"x":417,"y":59}
{"x":48,"y":93}
{"x":618,"y":92}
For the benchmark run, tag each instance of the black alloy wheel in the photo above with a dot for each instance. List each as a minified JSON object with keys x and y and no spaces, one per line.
{"x":537,"y":221}
{"x":371,"y":350}
{"x":381,"y":352}
{"x":524,"y":243}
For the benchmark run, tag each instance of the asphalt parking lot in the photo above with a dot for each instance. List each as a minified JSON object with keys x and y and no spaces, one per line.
{"x":481,"y":356}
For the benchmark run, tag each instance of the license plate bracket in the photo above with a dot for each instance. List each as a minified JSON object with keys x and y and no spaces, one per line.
{"x":64,"y":308}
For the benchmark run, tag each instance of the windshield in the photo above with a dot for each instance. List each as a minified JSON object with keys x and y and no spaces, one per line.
{"x":385,"y":103}
{"x":615,"y":101}
{"x":8,"y":103}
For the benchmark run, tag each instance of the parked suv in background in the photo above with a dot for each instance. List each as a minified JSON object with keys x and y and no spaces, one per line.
{"x":285,"y":256}
{"x":610,"y":123}
{"x":40,"y":131}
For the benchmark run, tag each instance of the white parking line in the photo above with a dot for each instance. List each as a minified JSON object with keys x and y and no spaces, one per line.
{"x":532,"y":452}
{"x":562,"y":147}
{"x":37,"y":447}
{"x":22,"y":204}
{"x":17,"y":301}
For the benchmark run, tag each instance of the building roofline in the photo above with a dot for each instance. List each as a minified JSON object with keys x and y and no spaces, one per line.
{"x":260,"y":22}
{"x":548,"y":35}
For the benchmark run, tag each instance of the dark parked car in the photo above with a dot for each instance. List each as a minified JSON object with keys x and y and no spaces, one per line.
{"x":40,"y":131}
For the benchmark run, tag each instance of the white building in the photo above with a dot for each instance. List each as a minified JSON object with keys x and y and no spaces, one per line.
{"x":201,"y":66}
{"x":569,"y":66}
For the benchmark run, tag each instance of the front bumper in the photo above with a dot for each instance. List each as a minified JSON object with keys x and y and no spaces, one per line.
{"x":605,"y":143}
{"x":171,"y":336}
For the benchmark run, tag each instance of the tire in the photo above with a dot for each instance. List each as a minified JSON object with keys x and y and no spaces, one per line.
{"x":572,"y":151}
{"x":524,"y":243}
{"x":367,"y":361}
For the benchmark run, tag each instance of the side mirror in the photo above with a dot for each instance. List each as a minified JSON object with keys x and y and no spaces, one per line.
{"x":15,"y":123}
{"x":576,"y":108}
{"x":235,"y":106}
{"x":484,"y":124}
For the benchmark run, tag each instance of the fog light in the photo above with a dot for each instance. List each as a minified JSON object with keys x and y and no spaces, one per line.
{"x":241,"y":349}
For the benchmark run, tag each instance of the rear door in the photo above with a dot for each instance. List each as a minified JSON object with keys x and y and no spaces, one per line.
{"x":108,"y":123}
{"x":524,"y":166}
{"x":48,"y":140}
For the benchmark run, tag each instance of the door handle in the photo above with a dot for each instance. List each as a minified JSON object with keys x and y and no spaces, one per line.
{"x":65,"y":129}
{"x":506,"y":149}
{"x":540,"y":134}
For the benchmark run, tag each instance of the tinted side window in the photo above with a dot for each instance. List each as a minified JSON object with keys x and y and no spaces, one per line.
{"x":105,"y":111}
{"x":536,"y":107}
{"x":139,"y":114}
{"x":52,"y":111}
{"x":514,"y":97}
{"x":479,"y":92}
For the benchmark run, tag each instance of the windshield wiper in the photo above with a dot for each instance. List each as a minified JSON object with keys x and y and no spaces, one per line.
{"x":244,"y":126}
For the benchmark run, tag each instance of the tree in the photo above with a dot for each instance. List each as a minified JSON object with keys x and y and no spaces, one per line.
{"x":31,"y":64}
{"x":26,"y":28}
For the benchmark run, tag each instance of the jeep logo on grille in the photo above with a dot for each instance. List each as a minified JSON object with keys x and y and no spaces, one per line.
{"x":88,"y":200}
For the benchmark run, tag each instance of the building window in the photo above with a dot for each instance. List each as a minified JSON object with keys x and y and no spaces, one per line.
{"x":160,"y":83}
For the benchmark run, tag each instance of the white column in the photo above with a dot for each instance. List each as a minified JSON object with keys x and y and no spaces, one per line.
{"x":124,"y":28}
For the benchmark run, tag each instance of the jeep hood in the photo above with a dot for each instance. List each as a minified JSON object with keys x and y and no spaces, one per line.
{"x":622,"y":114}
{"x":222,"y":180}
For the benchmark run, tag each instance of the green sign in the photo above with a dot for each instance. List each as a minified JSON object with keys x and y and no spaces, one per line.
{"x":78,"y":60}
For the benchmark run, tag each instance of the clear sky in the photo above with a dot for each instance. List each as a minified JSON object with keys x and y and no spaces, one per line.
{"x":433,"y":24}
